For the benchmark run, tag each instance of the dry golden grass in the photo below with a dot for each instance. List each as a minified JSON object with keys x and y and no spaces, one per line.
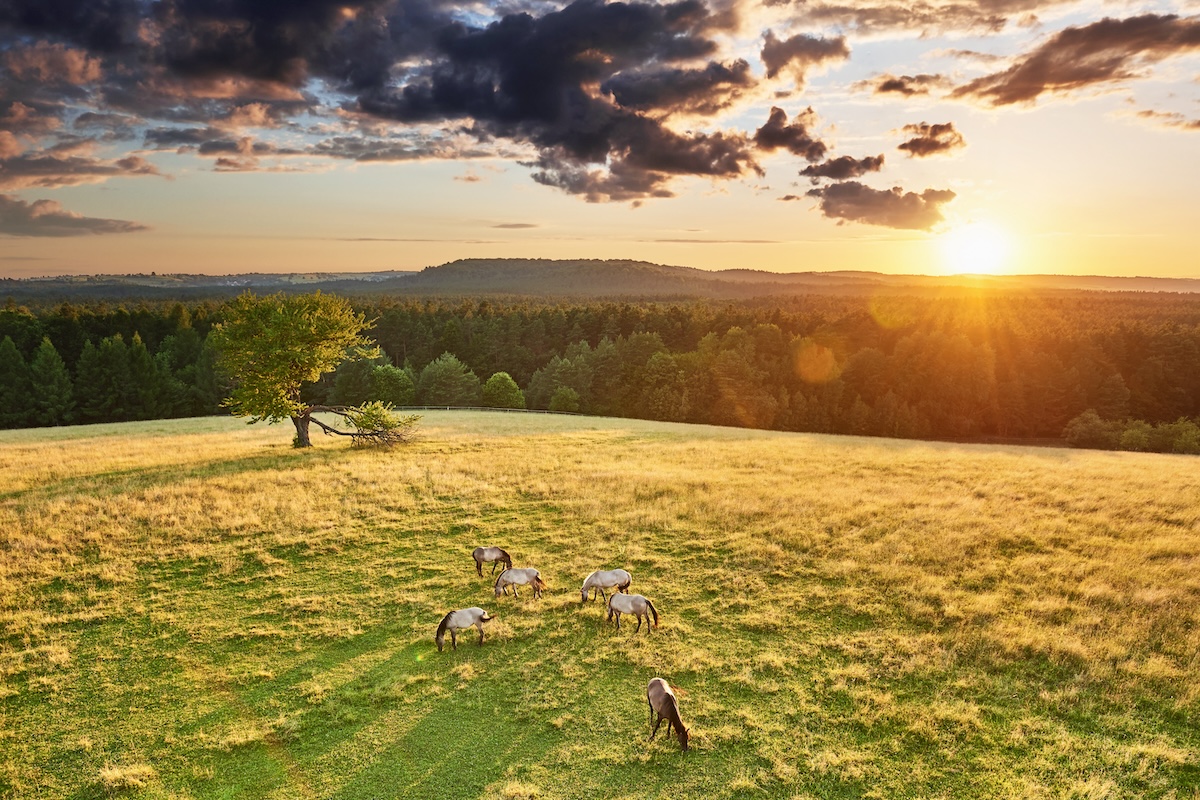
{"x":847,"y":617}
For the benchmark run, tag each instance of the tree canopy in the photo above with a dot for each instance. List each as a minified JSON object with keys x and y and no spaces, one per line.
{"x":271,"y":347}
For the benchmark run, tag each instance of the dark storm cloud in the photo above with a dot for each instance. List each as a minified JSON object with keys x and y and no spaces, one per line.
{"x":703,"y":91}
{"x":1078,"y":57}
{"x":903,"y":85}
{"x":800,"y":52}
{"x":48,"y":218}
{"x":930,"y":140}
{"x":894,"y":208}
{"x":102,"y":26}
{"x":843,"y":168}
{"x":795,"y":137}
{"x":181,"y":138}
{"x":115,"y":127}
{"x":585,"y":92}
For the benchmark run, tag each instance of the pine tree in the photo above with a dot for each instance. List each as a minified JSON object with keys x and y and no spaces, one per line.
{"x":149,"y":393}
{"x":89,"y":379}
{"x":14,"y":386}
{"x":51,"y":393}
{"x":102,"y":382}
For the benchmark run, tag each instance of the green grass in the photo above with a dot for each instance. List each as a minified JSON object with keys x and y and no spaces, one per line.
{"x":193,"y":609}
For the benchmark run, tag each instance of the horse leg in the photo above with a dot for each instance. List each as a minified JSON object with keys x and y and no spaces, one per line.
{"x":454,"y":638}
{"x":655,"y":731}
{"x":603,"y":596}
{"x":493,"y":568}
{"x":480,"y":626}
{"x":639,"y":625}
{"x":479,"y":568}
{"x":618,"y":616}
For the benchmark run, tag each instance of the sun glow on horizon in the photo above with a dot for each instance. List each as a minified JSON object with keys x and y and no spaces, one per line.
{"x":979,"y":248}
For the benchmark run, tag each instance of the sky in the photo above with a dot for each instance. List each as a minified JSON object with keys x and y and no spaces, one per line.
{"x":929,"y":137}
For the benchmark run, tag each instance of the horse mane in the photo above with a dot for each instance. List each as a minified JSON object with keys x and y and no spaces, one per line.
{"x":504,"y":553}
{"x":445,"y":623}
{"x":653,"y":611}
{"x":496,"y":585}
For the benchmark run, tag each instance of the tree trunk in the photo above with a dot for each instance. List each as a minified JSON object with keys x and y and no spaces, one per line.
{"x":301,"y":423}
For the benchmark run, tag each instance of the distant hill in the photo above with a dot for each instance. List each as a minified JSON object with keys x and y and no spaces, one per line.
{"x":583,"y":278}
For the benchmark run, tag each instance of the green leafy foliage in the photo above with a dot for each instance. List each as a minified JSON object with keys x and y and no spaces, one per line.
{"x":376,"y":424}
{"x":501,"y":391}
{"x":272,"y":346}
{"x":565,"y":399}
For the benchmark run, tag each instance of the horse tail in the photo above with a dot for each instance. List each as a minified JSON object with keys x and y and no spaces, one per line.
{"x":486,"y":618}
{"x":653,"y":611}
{"x":624,"y":587}
{"x":538,"y":583}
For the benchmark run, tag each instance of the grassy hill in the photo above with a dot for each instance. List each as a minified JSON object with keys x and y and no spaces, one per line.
{"x":192,"y":609}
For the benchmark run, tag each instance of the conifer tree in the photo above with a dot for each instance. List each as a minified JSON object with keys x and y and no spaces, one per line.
{"x":51,"y":390}
{"x":14,"y":386}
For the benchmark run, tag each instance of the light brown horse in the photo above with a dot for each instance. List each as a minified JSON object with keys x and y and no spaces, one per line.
{"x":635,"y":604}
{"x":514,"y":577}
{"x":496,"y":555}
{"x":455,"y":621}
{"x":662,"y":701}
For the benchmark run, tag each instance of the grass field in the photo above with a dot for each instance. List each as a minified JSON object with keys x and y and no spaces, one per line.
{"x":193,"y":609}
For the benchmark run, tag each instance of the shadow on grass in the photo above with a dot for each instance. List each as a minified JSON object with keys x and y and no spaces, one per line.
{"x":114,"y":482}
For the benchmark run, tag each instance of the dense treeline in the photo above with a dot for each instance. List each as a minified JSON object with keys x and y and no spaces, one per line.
{"x":968,"y":365}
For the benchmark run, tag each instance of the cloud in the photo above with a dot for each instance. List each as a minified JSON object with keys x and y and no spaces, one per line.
{"x":893,"y":208}
{"x":903,"y":85}
{"x":930,"y":140}
{"x":702,"y":91}
{"x":844,"y":167}
{"x":928,"y":18}
{"x":49,"y":218}
{"x":795,"y":138}
{"x":800,"y":53}
{"x":1169,"y":119}
{"x":50,"y":169}
{"x":1104,"y":52}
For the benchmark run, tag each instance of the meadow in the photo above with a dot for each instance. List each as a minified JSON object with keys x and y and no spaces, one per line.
{"x":193,"y":609}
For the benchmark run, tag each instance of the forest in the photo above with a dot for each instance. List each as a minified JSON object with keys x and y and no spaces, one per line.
{"x":1107,"y":370}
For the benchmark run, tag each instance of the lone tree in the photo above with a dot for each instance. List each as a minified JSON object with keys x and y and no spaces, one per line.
{"x":272,"y":346}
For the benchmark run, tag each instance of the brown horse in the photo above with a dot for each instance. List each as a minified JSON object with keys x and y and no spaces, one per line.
{"x":662,"y":701}
{"x":496,"y":555}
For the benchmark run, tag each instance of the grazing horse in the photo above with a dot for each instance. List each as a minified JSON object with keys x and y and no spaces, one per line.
{"x":514,"y":577}
{"x":619,"y":604}
{"x":662,"y":701}
{"x":603,"y":579}
{"x":457,"y":620}
{"x":496,"y":555}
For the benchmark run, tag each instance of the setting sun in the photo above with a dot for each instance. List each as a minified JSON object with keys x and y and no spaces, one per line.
{"x":978,"y":247}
